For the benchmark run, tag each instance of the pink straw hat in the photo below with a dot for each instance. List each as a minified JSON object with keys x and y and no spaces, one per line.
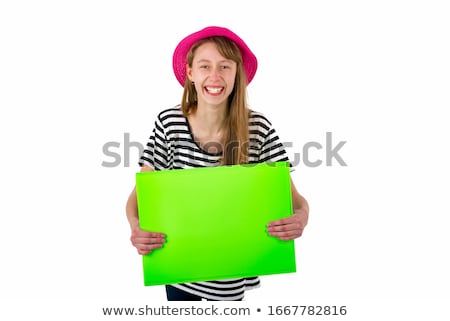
{"x":179,"y":56}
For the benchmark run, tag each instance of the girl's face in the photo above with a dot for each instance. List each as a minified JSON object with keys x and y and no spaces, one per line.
{"x":213,"y":75}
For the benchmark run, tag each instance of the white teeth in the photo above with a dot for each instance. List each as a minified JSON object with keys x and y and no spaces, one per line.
{"x":214,"y":90}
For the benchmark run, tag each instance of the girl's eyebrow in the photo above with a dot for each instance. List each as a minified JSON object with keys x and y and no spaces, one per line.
{"x":206,"y":60}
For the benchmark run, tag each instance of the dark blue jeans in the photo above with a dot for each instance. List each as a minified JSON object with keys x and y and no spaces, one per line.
{"x":174,"y":294}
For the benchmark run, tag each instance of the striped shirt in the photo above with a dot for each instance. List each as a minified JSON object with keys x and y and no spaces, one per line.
{"x":172,"y":146}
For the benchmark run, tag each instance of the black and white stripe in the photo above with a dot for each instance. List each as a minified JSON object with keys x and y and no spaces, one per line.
{"x":172,"y":146}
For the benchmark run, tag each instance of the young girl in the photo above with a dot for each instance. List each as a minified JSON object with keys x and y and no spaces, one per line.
{"x":213,"y":126}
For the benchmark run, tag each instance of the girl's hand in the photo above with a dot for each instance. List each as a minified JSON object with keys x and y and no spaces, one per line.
{"x":145,"y":241}
{"x":289,"y":228}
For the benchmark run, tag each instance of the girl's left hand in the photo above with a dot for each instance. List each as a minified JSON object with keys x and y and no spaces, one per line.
{"x":289,"y":228}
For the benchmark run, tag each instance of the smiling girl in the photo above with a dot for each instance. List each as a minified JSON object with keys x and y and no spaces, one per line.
{"x":213,"y":126}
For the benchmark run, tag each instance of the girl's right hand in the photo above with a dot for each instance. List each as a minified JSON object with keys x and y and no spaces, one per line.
{"x":145,"y":241}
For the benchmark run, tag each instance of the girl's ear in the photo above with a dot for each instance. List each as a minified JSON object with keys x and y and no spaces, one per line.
{"x":188,"y":72}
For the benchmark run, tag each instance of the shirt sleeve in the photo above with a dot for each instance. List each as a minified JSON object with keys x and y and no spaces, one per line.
{"x":272,"y":149}
{"x":156,"y":152}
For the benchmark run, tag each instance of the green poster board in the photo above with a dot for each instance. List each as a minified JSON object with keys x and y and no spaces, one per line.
{"x":215,"y":220}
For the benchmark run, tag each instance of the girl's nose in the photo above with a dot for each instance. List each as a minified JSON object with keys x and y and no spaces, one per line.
{"x":214,"y":73}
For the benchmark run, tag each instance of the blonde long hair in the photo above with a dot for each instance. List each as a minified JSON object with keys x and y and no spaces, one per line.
{"x":235,"y":149}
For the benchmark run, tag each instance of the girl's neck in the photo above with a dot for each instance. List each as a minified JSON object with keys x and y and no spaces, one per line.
{"x":209,"y":119}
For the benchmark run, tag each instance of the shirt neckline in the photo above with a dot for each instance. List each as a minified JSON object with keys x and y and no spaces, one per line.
{"x":191,"y":134}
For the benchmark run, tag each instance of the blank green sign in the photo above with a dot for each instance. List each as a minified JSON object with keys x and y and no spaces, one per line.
{"x":215,"y":222}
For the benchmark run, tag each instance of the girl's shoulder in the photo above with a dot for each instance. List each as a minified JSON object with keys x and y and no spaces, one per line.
{"x":256,"y":117}
{"x":172,"y":112}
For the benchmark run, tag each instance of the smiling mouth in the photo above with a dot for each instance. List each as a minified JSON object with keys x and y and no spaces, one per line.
{"x":214,"y":90}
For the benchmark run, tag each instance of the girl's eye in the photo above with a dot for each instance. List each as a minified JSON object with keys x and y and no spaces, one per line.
{"x":225,"y":67}
{"x":203,"y":67}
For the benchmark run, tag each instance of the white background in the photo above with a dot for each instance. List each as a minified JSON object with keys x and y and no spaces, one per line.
{"x":75,"y":75}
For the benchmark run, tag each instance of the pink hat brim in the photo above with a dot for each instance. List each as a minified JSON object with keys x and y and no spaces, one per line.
{"x":179,"y":56}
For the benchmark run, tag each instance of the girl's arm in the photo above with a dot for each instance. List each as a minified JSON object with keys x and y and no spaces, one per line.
{"x":144,"y":241}
{"x":291,"y":227}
